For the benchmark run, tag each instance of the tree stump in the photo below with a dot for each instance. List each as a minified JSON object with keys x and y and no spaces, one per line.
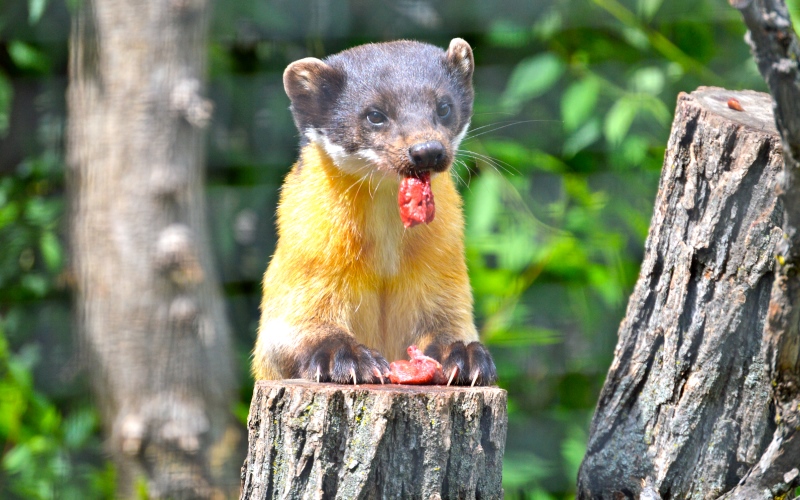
{"x":309,"y":440}
{"x":687,"y":408}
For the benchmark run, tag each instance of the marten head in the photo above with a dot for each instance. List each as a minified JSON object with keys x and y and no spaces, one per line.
{"x":399,"y":107}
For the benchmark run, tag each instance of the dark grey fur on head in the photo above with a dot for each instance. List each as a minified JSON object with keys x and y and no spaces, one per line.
{"x":415,"y":88}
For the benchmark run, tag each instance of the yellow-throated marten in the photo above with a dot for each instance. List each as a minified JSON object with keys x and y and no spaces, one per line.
{"x":349,"y":285}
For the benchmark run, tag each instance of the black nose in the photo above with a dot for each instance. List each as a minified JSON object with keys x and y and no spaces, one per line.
{"x":427,"y":155}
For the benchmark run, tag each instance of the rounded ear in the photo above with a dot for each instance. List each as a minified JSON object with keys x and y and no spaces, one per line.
{"x":313,"y":87}
{"x":459,"y":58}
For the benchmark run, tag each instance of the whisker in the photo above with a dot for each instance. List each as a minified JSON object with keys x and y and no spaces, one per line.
{"x":457,"y":175}
{"x":472,"y":134}
{"x":494,"y":162}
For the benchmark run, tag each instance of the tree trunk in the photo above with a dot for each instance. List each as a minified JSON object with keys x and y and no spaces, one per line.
{"x":151,"y":318}
{"x":310,"y":440}
{"x":687,"y":408}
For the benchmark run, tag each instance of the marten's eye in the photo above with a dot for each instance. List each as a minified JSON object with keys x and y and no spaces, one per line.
{"x":443,"y":110}
{"x":376,"y":118}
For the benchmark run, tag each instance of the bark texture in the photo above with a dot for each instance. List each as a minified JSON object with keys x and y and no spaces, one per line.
{"x":152,"y":321}
{"x":776,"y":51}
{"x":686,"y":410}
{"x":310,"y":440}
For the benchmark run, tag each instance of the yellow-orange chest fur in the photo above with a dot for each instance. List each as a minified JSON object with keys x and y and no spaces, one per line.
{"x":344,"y":258}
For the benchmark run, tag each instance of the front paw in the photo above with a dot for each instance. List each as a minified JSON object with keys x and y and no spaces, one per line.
{"x":342,"y":360}
{"x":469,"y":364}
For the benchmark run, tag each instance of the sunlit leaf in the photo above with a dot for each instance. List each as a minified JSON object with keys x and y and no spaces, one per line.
{"x":42,"y":212}
{"x":8,"y":213}
{"x":648,"y":8}
{"x":483,"y":203}
{"x":496,"y":282}
{"x":649,"y":80}
{"x":633,"y":150}
{"x":78,"y":427}
{"x":582,"y":138}
{"x":51,"y":250}
{"x":578,"y":102}
{"x":35,"y":283}
{"x":531,"y":78}
{"x":18,"y":458}
{"x":619,"y":119}
{"x":35,"y":10}
{"x":548,"y":25}
{"x":28,"y":57}
{"x":602,"y":280}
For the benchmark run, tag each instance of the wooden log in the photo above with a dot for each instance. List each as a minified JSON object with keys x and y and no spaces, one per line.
{"x":687,"y":408}
{"x":309,"y":440}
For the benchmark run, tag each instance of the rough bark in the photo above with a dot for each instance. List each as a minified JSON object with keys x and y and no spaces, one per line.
{"x":686,"y":410}
{"x":151,"y":319}
{"x":776,"y":51}
{"x":310,"y":440}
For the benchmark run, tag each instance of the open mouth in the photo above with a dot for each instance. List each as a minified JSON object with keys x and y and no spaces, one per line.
{"x":415,"y":199}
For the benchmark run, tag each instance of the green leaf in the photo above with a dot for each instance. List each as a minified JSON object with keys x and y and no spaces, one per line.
{"x":28,"y":57}
{"x":18,"y":458}
{"x":78,"y":427}
{"x":35,"y":283}
{"x":51,"y":250}
{"x":604,"y":282}
{"x":504,"y":33}
{"x":548,"y":25}
{"x":9,"y":213}
{"x":573,"y":448}
{"x":648,"y":8}
{"x":578,"y":102}
{"x":649,"y":80}
{"x":483,"y":203}
{"x":582,"y":138}
{"x":12,"y":407}
{"x":633,"y":150}
{"x":636,"y":37}
{"x":523,"y":336}
{"x":42,"y":212}
{"x":619,"y":119}
{"x":520,"y":468}
{"x":35,"y":10}
{"x":531,"y":78}
{"x":6,"y":98}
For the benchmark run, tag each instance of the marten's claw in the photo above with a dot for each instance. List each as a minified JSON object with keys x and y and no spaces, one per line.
{"x":378,"y":374}
{"x":469,"y":364}
{"x":452,"y":375}
{"x":342,"y":360}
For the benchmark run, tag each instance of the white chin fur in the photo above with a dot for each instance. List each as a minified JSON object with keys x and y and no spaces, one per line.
{"x":359,"y":163}
{"x":457,"y":139}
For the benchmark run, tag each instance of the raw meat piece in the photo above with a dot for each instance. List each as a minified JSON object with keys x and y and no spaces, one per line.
{"x":415,"y":199}
{"x":420,"y":370}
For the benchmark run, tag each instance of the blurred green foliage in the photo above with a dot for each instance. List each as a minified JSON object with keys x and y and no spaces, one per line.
{"x":573,"y":106}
